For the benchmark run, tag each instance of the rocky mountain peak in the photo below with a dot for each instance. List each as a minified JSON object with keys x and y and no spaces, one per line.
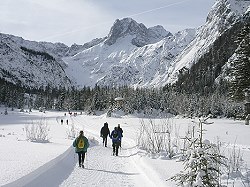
{"x":158,"y":31}
{"x":124,"y":27}
{"x":141,"y":34}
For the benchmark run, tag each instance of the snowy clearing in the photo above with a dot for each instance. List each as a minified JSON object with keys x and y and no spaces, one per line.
{"x":26,"y":163}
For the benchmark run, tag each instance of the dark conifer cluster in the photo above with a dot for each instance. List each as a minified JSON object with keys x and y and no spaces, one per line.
{"x":141,"y":100}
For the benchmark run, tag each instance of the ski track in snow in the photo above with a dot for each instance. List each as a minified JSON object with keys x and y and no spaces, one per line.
{"x":101,"y":170}
{"x":101,"y":167}
{"x":129,"y":169}
{"x":104,"y":169}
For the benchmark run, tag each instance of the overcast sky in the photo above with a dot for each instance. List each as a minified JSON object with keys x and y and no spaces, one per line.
{"x":79,"y":21}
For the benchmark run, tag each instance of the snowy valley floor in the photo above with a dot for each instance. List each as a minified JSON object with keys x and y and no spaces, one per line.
{"x":25,"y":163}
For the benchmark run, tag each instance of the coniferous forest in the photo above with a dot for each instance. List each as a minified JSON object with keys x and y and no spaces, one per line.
{"x":141,"y":100}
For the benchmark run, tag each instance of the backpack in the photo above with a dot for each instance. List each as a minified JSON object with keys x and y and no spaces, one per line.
{"x":115,"y":135}
{"x":80,"y":143}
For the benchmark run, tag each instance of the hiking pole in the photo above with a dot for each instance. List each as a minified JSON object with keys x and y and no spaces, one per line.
{"x":86,"y":158}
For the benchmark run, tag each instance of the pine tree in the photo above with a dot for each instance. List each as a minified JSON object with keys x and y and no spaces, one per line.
{"x":241,"y":66}
{"x":203,"y":162}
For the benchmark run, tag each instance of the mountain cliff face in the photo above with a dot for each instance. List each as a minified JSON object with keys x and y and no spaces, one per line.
{"x":142,"y":35}
{"x":131,"y":54}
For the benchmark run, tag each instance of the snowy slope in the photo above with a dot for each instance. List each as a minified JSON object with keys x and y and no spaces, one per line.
{"x":55,"y":164}
{"x":36,"y":64}
{"x":30,"y":64}
{"x":129,"y":56}
{"x":222,"y":16}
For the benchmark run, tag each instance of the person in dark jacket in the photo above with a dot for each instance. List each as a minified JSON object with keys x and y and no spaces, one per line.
{"x":121,"y":131}
{"x":116,"y":139}
{"x":81,"y":145}
{"x":104,"y":133}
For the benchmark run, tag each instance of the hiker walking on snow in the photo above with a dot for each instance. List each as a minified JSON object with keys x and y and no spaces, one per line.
{"x":121,"y":132}
{"x":116,"y":140}
{"x":104,"y":133}
{"x":81,"y":145}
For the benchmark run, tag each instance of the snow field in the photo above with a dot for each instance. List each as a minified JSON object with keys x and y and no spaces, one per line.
{"x":25,"y":163}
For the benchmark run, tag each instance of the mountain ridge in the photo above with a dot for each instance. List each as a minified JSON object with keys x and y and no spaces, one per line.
{"x":131,"y":54}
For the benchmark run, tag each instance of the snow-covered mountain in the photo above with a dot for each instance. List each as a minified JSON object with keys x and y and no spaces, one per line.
{"x":223,"y":16}
{"x":29,"y":64}
{"x":141,"y":35}
{"x":36,"y":64}
{"x":203,"y":65}
{"x":131,"y":54}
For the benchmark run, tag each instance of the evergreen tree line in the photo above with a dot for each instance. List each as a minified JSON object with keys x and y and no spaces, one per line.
{"x":142,"y":100}
{"x":37,"y":53}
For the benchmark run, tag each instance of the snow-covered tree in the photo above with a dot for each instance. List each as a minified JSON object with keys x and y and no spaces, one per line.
{"x":202,"y":167}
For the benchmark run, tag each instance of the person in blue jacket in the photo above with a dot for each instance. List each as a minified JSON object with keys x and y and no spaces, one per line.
{"x":121,"y":131}
{"x":81,"y":145}
{"x":116,"y":140}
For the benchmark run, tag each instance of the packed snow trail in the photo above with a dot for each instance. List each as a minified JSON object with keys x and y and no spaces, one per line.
{"x":101,"y":167}
{"x":55,"y":164}
{"x":104,"y":169}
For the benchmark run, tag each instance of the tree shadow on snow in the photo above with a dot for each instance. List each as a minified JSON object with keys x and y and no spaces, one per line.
{"x":133,"y":154}
{"x":130,"y":147}
{"x":113,"y":172}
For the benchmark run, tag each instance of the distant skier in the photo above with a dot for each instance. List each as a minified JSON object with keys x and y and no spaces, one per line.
{"x":61,"y":121}
{"x":81,"y":145}
{"x":121,"y":132}
{"x":104,"y":133}
{"x":116,"y":139}
{"x":67,"y":121}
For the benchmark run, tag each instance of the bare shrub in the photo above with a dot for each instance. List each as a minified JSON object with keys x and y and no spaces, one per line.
{"x":156,"y":138}
{"x":38,"y":131}
{"x":235,"y":161}
{"x":236,"y":166}
{"x":71,"y":131}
